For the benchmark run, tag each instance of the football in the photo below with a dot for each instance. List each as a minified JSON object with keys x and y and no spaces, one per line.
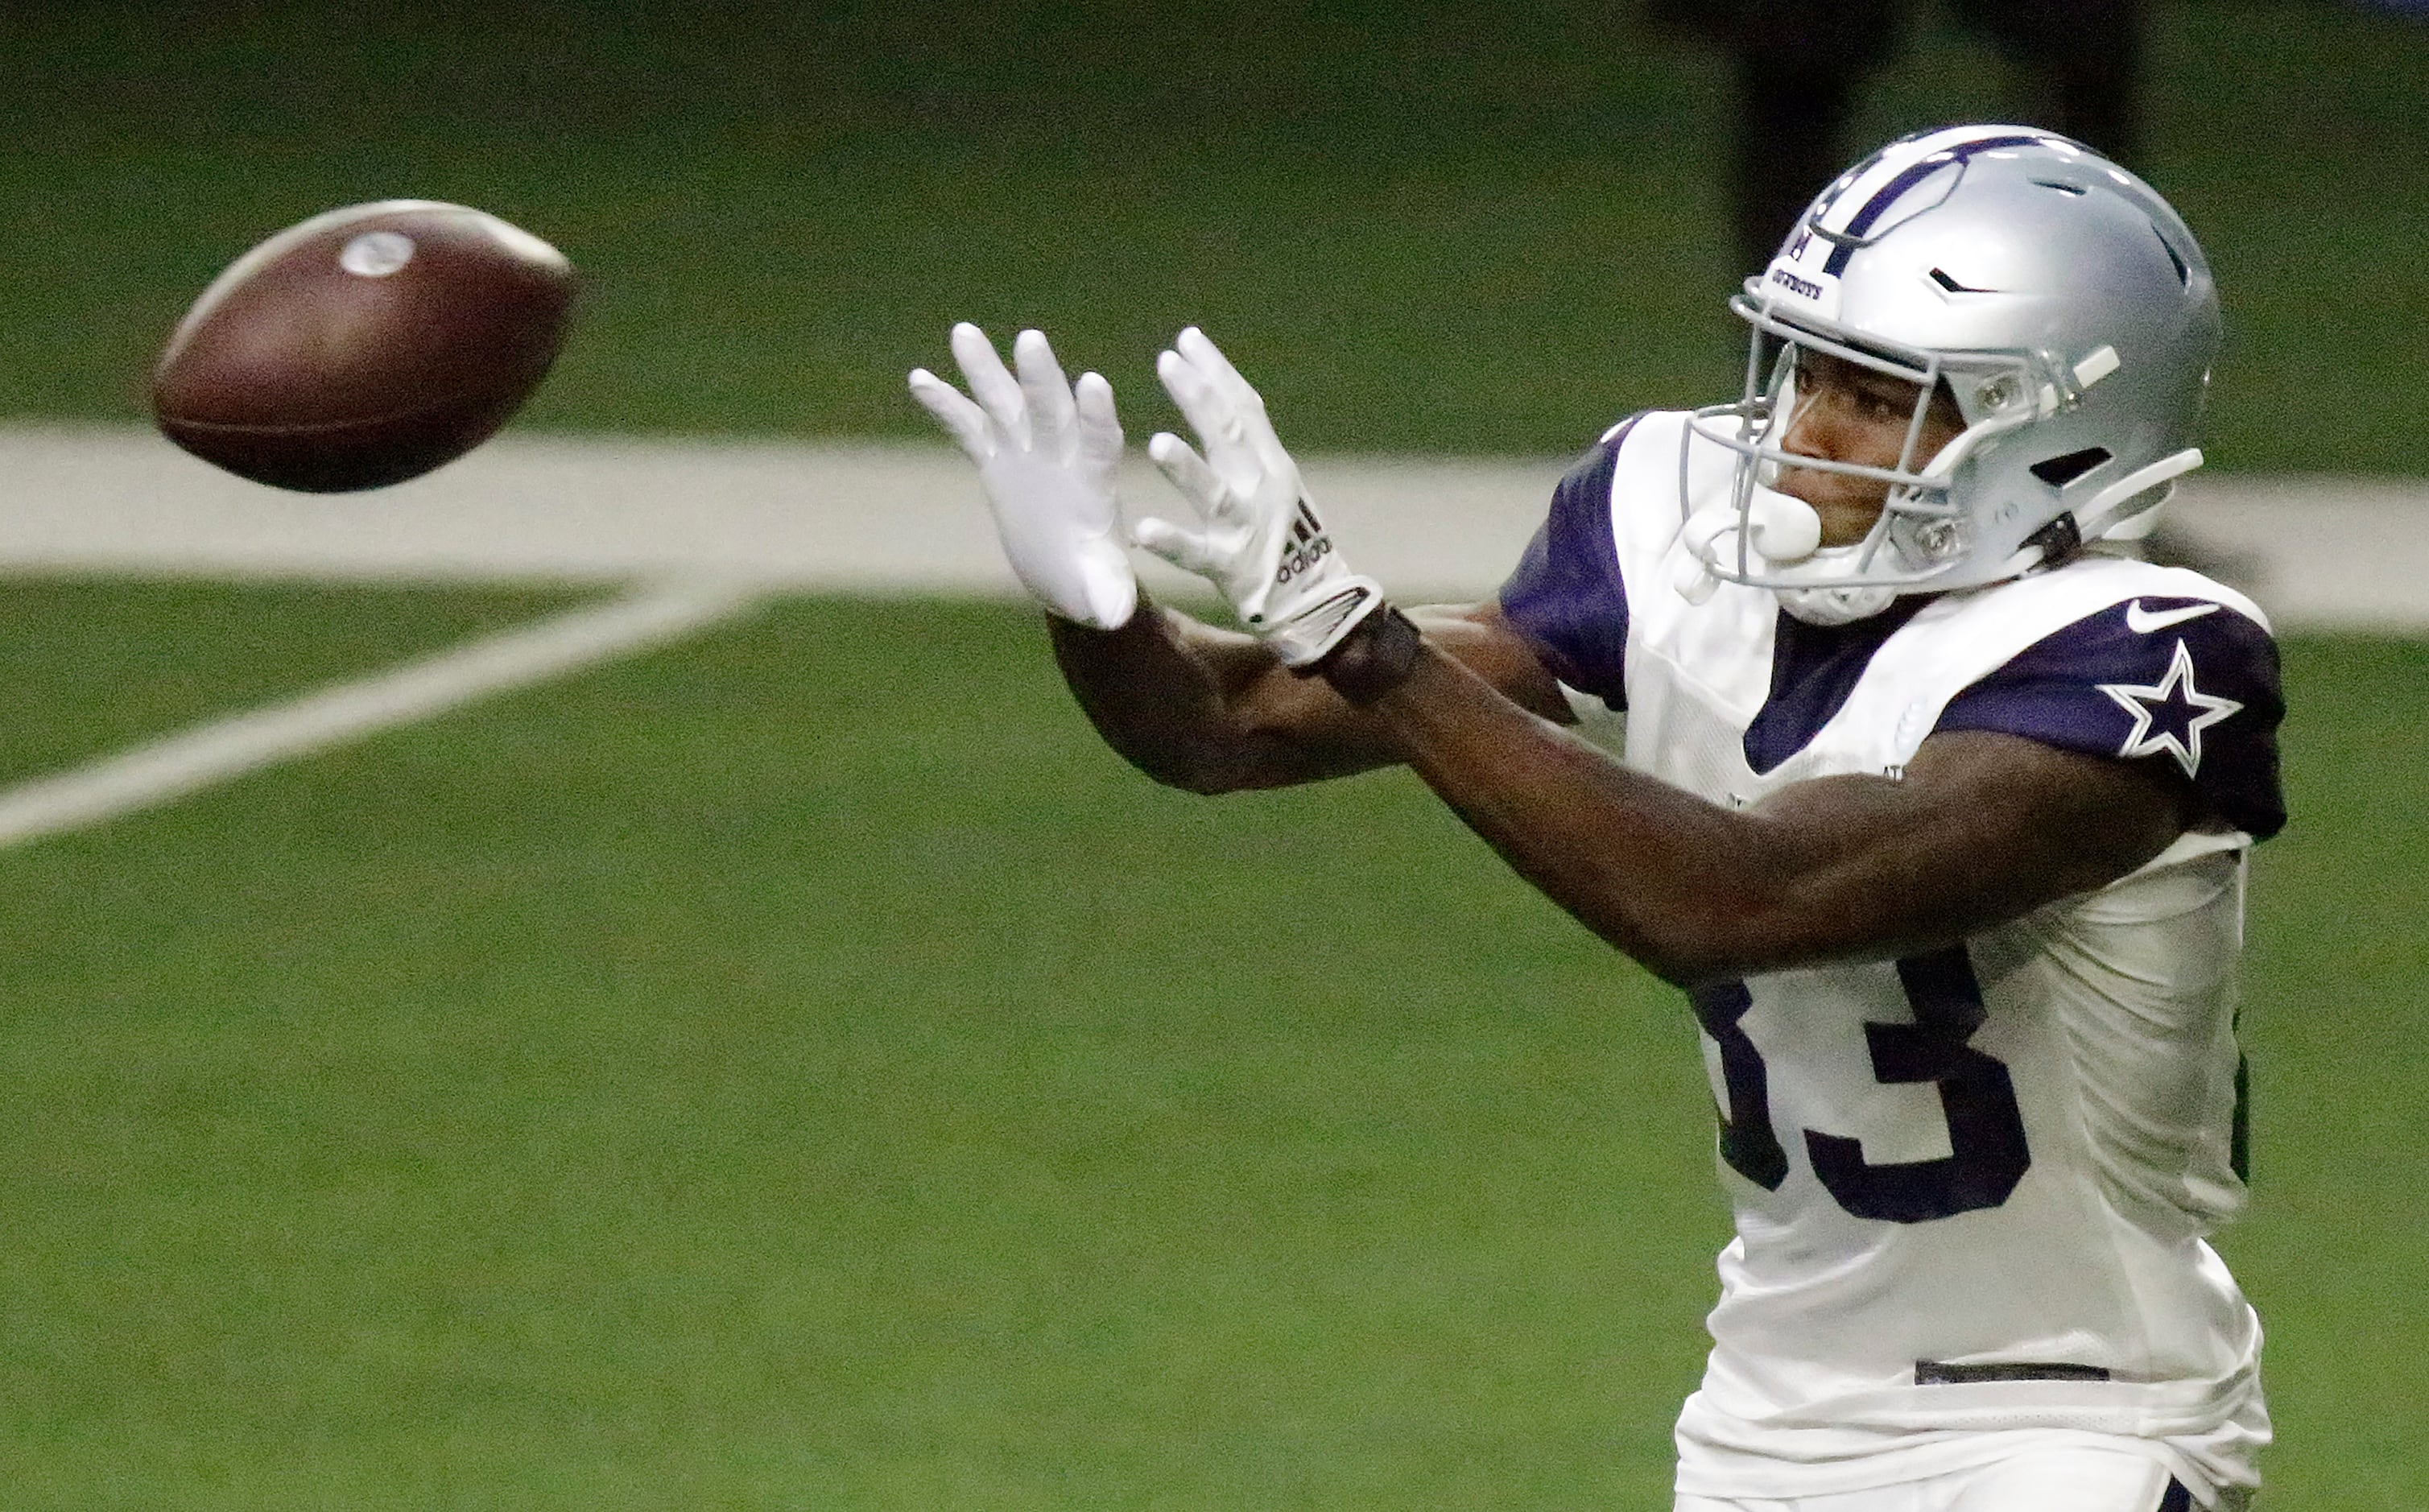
{"x":365,"y":346}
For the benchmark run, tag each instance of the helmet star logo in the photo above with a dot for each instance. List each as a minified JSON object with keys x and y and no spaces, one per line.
{"x":2171,"y":716}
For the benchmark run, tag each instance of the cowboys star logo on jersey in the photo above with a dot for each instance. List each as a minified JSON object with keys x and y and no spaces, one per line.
{"x":2171,"y":716}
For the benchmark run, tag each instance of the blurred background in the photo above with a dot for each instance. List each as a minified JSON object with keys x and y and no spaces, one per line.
{"x":800,"y":1067}
{"x":1427,"y":227}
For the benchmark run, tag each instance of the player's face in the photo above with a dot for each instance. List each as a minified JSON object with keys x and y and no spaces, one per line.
{"x":1848,"y":413}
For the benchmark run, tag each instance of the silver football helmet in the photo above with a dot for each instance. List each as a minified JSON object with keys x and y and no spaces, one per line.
{"x":2058,"y":299}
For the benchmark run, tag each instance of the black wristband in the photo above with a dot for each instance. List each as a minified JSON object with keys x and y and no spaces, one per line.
{"x":1374,"y":658}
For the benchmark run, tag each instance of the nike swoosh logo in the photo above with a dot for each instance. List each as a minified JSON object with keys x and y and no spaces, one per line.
{"x":2142,"y":622}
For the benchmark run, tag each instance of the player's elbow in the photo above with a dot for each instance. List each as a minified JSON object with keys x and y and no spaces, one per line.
{"x":1707,"y":946}
{"x":1207,"y":780}
{"x":1701,"y":942}
{"x":1191,"y":766}
{"x":1688,"y":963}
{"x":1222,"y":759}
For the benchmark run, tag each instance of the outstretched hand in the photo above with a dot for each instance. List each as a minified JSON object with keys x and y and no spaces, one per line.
{"x":1047,"y":452}
{"x":1258,"y":539}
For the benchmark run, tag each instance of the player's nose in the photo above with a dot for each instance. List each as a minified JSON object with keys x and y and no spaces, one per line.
{"x":1809,"y":432}
{"x":1805,"y":437}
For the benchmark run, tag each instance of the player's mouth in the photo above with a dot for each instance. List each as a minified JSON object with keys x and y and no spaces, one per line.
{"x":1848,"y":506}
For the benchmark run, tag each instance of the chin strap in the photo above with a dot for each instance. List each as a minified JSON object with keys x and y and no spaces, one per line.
{"x":1833,"y":607}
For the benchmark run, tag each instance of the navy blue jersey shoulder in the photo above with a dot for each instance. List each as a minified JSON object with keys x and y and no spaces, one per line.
{"x":1567,"y":597}
{"x":2180,"y":680}
{"x":1814,"y":669}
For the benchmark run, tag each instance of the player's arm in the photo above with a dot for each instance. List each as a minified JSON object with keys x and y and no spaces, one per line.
{"x":1214,"y":710}
{"x":1983,"y":828}
{"x":1193,"y":705}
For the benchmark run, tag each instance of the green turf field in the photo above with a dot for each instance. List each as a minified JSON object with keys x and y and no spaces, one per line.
{"x":802,"y":1068}
{"x":1420,"y":225}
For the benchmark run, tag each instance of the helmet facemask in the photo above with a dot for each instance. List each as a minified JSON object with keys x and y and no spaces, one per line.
{"x":2058,"y":300}
{"x":1760,"y":537}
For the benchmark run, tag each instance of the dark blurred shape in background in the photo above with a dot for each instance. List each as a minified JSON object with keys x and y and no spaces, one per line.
{"x":1800,"y":67}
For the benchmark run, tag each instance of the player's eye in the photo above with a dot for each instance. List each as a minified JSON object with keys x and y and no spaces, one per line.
{"x":1875,"y":405}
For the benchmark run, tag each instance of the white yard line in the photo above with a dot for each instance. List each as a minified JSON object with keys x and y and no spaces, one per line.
{"x":2319,"y":553}
{"x":758,"y":518}
{"x":148,"y":775}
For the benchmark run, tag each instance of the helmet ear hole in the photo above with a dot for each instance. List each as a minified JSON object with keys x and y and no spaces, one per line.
{"x":2058,"y":472}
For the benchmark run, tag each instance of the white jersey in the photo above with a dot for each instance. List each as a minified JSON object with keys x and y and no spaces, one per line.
{"x":1971,"y":1187}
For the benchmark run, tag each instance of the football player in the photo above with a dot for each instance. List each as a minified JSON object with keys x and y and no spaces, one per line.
{"x":1849,"y":708}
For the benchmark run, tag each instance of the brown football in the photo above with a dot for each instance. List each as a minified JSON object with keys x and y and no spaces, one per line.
{"x":365,"y":346}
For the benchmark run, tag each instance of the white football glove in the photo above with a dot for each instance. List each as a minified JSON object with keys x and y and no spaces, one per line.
{"x":1047,"y":453}
{"x":1261,"y":542}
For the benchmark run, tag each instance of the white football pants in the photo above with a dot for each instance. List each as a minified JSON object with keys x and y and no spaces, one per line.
{"x":2070,"y":1479}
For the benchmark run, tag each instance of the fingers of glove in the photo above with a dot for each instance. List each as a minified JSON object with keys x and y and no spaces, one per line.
{"x":1101,"y":430}
{"x":1183,"y":548}
{"x":1255,"y":429}
{"x":1198,"y":400}
{"x":991,"y":383}
{"x":1047,"y":393}
{"x":1189,"y":472}
{"x":1221,"y":428}
{"x":954,"y":410}
{"x":1208,"y":358}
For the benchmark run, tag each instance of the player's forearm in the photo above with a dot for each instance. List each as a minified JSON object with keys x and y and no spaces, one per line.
{"x":1836,"y":868}
{"x":1653,"y":869}
{"x":1693,"y":892}
{"x":1208,"y":711}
